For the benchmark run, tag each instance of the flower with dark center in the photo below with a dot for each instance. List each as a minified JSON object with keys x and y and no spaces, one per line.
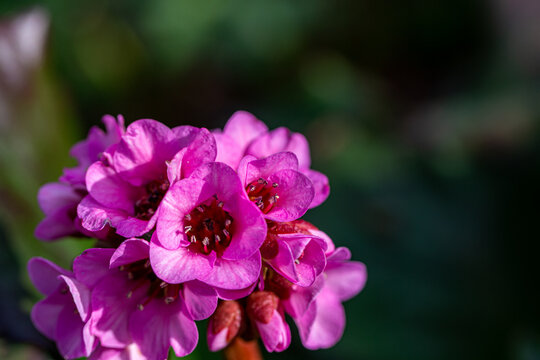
{"x":130,"y":304}
{"x":208,"y":230}
{"x":276,"y":186}
{"x":126,"y":187}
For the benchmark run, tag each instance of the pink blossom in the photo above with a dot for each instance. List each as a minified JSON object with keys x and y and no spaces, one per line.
{"x":208,"y":230}
{"x":126,"y":188}
{"x":244,"y":134}
{"x":292,"y":251}
{"x":275,"y":185}
{"x":321,"y":325}
{"x":62,"y":316}
{"x":59,"y":200}
{"x":131,"y":305}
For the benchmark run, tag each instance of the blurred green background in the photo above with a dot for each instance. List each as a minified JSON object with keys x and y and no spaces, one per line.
{"x":424,"y":115}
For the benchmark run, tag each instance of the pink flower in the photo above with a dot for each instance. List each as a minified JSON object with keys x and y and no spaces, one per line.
{"x":241,"y":129}
{"x":292,"y":251}
{"x":62,"y":316}
{"x":275,"y":186}
{"x":126,"y":188}
{"x":225,"y":324}
{"x":59,"y":200}
{"x":131,"y":305}
{"x":208,"y":230}
{"x":321,"y":325}
{"x":246,"y":135}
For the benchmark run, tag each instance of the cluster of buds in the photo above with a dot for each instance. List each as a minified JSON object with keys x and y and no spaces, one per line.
{"x":190,"y":225}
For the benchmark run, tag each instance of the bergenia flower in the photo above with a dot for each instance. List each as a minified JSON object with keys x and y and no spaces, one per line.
{"x":241,"y":129}
{"x":63,"y":315}
{"x":208,"y":230}
{"x":59,"y":200}
{"x":127,"y":186}
{"x":275,"y":186}
{"x":293,"y":252}
{"x":130,"y":304}
{"x":199,"y":226}
{"x":244,"y":135}
{"x":322,"y":324}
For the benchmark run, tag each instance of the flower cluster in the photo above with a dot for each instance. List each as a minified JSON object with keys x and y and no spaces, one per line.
{"x":191,"y":225}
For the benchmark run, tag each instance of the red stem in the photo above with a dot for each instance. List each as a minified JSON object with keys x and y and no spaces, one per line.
{"x":240,"y":349}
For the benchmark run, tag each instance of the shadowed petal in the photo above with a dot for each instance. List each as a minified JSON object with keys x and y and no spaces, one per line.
{"x":130,"y":251}
{"x":200,"y":299}
{"x":44,"y":275}
{"x":92,"y":265}
{"x":320,"y":185}
{"x":234,"y":275}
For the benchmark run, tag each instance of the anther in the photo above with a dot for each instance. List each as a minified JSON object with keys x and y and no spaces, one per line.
{"x":187,"y":228}
{"x":228,"y":222}
{"x":226,"y":233}
{"x":275,"y":185}
{"x":200,"y":208}
{"x":129,"y":294}
{"x":251,"y":188}
{"x":206,"y":241}
{"x":262,"y":181}
{"x":193,"y":238}
{"x":297,"y":261}
{"x":130,"y":275}
{"x":187,"y":217}
{"x":169,"y":300}
{"x":140,"y":307}
{"x":220,"y":204}
{"x":147,"y":264}
{"x":218,"y":239}
{"x":163,"y":284}
{"x":122,"y":268}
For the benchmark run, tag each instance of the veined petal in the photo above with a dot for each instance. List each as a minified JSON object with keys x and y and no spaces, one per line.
{"x":130,"y":251}
{"x":92,"y":265}
{"x":200,"y":299}
{"x":320,"y":185}
{"x":44,"y":274}
{"x":234,"y":275}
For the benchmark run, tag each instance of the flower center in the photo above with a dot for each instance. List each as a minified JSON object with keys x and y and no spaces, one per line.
{"x":148,"y":203}
{"x":208,"y":227}
{"x":263,"y":194}
{"x":140,"y":272}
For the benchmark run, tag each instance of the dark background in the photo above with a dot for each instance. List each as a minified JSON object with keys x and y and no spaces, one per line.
{"x":423,"y":114}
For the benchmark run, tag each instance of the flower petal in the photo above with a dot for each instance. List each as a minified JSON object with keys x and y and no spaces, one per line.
{"x":44,"y":274}
{"x":243,"y":127}
{"x":69,"y":334}
{"x":179,"y":265}
{"x":295,"y":194}
{"x":320,"y":185}
{"x":276,"y":335}
{"x":200,"y":299}
{"x":234,"y":275}
{"x":346,"y":279}
{"x":92,"y":265}
{"x":130,"y":251}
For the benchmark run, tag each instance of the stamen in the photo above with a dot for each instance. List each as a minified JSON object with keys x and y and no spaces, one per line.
{"x":187,"y":228}
{"x":140,"y":307}
{"x":200,"y":208}
{"x":193,"y":238}
{"x":217,"y":238}
{"x":187,"y":217}
{"x":226,"y":233}
{"x":129,"y":294}
{"x":220,"y":204}
{"x":274,"y":185}
{"x":228,"y":222}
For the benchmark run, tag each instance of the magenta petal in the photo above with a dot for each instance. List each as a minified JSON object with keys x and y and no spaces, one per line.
{"x":159,"y":326}
{"x":295,"y":195}
{"x":181,"y":198}
{"x":243,"y":127}
{"x":94,"y":216}
{"x":130,"y":352}
{"x":320,"y":185}
{"x":174,"y":167}
{"x":228,"y":150}
{"x":265,"y":167}
{"x":45,"y":313}
{"x":322,"y":325}
{"x":69,"y":334}
{"x":58,"y":224}
{"x":276,"y":335}
{"x":302,"y":297}
{"x":112,"y":307}
{"x":250,"y":229}
{"x":52,"y":196}
{"x":92,"y":265}
{"x":130,"y":251}
{"x":143,"y":150}
{"x":200,"y":151}
{"x":108,"y":189}
{"x":283,"y":263}
{"x":346,"y":279}
{"x":222,"y":179}
{"x":311,"y":265}
{"x":339,"y":255}
{"x":81,"y":296}
{"x":200,"y":299}
{"x":281,"y":139}
{"x":234,"y":275}
{"x":44,"y":274}
{"x":180,"y":265}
